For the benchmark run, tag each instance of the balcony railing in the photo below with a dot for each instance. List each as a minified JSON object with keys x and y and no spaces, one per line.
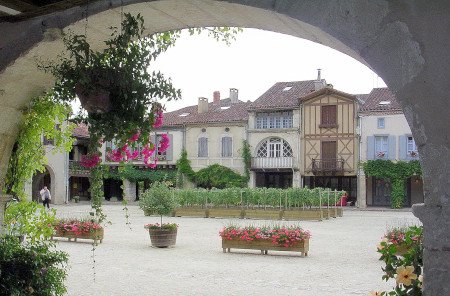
{"x":76,"y":169}
{"x":272,"y":162}
{"x":332,"y":165}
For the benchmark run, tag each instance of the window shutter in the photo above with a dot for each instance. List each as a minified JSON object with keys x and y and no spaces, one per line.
{"x":391,"y":147}
{"x":370,"y":147}
{"x":203,"y":147}
{"x":169,"y":151}
{"x":227,"y":147}
{"x":402,"y":142}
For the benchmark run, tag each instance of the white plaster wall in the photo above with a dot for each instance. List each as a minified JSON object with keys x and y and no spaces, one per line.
{"x":58,"y":167}
{"x":214,"y":134}
{"x":394,"y":125}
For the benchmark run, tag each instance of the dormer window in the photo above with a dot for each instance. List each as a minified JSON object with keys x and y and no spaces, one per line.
{"x":287,"y":88}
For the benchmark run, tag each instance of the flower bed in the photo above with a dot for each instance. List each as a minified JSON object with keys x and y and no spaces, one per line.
{"x":75,"y":229}
{"x":291,"y":238}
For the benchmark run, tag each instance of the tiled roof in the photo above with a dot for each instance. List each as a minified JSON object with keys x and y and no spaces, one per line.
{"x":81,"y":131}
{"x":280,"y":97}
{"x":222,"y":111}
{"x":381,"y":100}
{"x":326,"y":91}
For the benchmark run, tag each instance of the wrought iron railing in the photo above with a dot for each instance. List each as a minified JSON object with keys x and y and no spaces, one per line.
{"x":75,"y":167}
{"x":331,"y":165}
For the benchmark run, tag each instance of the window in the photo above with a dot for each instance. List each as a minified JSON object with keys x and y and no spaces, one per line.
{"x":411,"y":148}
{"x":274,"y":120}
{"x":227,"y":146}
{"x":202,"y":147}
{"x":381,"y":147}
{"x":380,"y":122}
{"x":48,"y":141}
{"x":159,"y":155}
{"x":274,"y":147}
{"x":328,"y":116}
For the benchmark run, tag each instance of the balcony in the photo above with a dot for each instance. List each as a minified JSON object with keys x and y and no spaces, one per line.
{"x":272,"y":162}
{"x":77,"y":170}
{"x":330,"y":166}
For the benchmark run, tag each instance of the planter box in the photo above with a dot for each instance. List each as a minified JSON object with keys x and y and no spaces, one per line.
{"x":190,"y":212}
{"x":96,"y":235}
{"x":226,"y":213}
{"x":264,"y":245}
{"x":310,"y":214}
{"x":264,"y":214}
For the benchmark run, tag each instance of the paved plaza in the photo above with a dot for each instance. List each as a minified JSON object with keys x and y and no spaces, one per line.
{"x":342,"y":259}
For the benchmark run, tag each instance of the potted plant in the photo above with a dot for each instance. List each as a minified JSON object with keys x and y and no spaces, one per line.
{"x":76,"y":199}
{"x":158,"y":200}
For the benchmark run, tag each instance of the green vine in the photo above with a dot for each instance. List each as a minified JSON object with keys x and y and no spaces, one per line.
{"x":247,"y":156}
{"x":397,"y":173}
{"x":184,"y":166}
{"x":40,"y":119}
{"x":97,"y":194}
{"x":133,"y":174}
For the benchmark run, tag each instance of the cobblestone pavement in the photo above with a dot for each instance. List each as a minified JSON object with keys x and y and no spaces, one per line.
{"x":342,"y":259}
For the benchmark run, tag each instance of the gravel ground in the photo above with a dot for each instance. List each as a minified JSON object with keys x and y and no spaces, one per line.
{"x":342,"y":259}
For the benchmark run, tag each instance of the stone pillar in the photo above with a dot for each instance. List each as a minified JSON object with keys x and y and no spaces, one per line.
{"x":296,"y":179}
{"x":361,"y":201}
{"x":130,"y":190}
{"x":3,"y":200}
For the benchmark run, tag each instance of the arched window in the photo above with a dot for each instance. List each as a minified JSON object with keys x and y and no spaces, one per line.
{"x":202,"y":146}
{"x":274,"y":147}
{"x":227,"y":146}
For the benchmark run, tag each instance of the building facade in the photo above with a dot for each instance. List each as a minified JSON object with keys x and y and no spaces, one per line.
{"x":386,"y":135}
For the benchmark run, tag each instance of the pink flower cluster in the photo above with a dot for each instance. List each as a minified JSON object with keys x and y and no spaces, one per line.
{"x":280,"y":236}
{"x":90,"y":161}
{"x":158,"y":119}
{"x":75,"y":226}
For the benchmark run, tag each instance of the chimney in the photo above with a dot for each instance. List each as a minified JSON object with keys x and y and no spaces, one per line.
{"x":234,"y":95}
{"x":216,"y":96}
{"x":319,"y":83}
{"x":202,"y":105}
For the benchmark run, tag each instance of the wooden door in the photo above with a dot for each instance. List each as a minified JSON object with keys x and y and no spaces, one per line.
{"x":328,"y":156}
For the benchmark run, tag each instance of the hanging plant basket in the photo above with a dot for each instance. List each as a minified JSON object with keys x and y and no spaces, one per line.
{"x":95,"y":101}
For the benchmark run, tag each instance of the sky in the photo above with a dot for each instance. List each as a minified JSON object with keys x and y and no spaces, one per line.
{"x":200,"y":65}
{"x":257,"y":59}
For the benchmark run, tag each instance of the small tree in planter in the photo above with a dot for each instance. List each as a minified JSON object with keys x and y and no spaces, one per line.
{"x":158,"y":200}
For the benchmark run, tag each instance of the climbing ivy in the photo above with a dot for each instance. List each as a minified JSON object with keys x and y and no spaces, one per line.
{"x":40,"y":119}
{"x":397,"y":173}
{"x":184,"y":166}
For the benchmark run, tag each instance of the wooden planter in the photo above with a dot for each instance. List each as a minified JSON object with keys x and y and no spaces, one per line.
{"x":309,"y":214}
{"x":163,"y":238}
{"x":191,"y":212}
{"x":96,"y":235}
{"x":226,"y":213}
{"x":264,"y":214}
{"x":264,"y":245}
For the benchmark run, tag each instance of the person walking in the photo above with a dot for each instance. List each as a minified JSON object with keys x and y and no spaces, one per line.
{"x":46,"y":197}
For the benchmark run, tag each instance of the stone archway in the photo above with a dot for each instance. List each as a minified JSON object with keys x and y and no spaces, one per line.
{"x":40,"y":180}
{"x":405,"y":42}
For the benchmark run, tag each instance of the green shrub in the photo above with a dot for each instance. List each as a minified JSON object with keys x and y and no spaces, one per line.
{"x":157,"y":200}
{"x":218,"y":176}
{"x":31,"y":269}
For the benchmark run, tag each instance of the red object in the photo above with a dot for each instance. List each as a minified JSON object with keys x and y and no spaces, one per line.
{"x":342,"y":201}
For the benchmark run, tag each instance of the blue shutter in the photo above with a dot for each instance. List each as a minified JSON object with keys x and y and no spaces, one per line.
{"x":169,"y":152}
{"x":392,"y":147}
{"x":402,"y":147}
{"x":370,"y":147}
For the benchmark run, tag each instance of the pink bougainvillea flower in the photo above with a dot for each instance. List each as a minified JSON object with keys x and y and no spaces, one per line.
{"x":150,"y":164}
{"x":158,"y":119}
{"x":115,"y":155}
{"x":134,"y":155}
{"x":164,"y":144}
{"x":90,"y":161}
{"x":135,"y":137}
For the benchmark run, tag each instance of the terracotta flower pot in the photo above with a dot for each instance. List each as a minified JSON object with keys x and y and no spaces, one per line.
{"x":163,"y":238}
{"x":96,"y":101}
